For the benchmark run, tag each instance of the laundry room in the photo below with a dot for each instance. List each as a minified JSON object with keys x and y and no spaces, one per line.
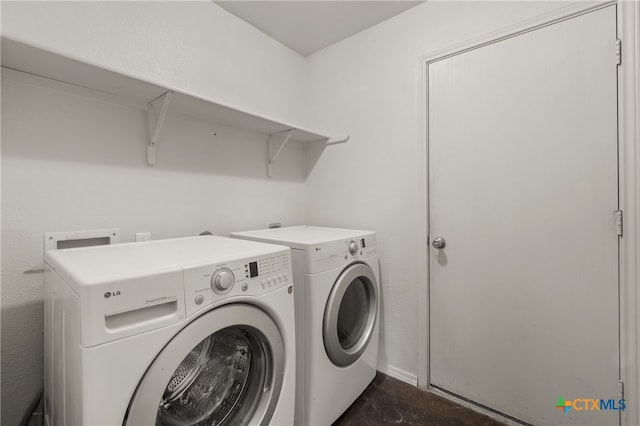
{"x":165,"y":120}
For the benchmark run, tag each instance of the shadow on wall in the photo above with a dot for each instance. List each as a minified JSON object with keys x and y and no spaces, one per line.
{"x":54,"y":125}
{"x":313,"y":152}
{"x":22,"y":365}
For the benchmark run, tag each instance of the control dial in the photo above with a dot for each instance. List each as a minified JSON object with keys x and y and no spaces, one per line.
{"x":353,"y":247}
{"x":222,"y":280}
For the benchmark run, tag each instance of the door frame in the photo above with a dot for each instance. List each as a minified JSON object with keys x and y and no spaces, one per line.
{"x":628,"y":14}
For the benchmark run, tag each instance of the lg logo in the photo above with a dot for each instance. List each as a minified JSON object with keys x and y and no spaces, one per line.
{"x":109,"y":294}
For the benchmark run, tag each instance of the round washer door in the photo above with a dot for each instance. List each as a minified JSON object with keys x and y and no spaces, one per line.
{"x":350,"y":314}
{"x":225,"y":368}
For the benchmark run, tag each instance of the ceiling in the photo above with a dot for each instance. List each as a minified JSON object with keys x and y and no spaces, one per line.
{"x":309,"y":26}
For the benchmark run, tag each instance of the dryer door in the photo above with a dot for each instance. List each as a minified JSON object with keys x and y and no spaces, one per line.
{"x":350,"y":314}
{"x":224,"y":368}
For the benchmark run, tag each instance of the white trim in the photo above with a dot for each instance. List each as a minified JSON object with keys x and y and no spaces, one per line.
{"x":544,"y":20}
{"x":396,"y":373}
{"x":629,"y":104}
{"x":423,"y":235}
{"x":629,"y":140}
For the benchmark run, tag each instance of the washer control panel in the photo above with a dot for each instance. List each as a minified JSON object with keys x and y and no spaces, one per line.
{"x":255,"y":276}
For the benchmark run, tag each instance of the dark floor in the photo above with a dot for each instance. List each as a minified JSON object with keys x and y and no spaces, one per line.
{"x":390,"y":401}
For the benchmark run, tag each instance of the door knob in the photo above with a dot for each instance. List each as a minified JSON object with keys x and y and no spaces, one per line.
{"x":438,"y":243}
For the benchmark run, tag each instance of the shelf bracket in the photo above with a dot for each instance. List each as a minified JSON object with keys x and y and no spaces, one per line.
{"x":273,"y":158}
{"x":154,"y":130}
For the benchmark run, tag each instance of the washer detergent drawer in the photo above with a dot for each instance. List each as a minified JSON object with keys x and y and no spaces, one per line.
{"x":118,"y":309}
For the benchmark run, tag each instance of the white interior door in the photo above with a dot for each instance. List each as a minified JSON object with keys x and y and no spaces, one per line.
{"x":523,"y":187}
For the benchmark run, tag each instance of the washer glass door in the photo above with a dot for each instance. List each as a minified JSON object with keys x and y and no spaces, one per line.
{"x":226,"y":378}
{"x":216,"y":381}
{"x":350,"y":314}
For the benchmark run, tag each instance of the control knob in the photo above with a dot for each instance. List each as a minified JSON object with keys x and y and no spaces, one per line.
{"x":222,"y":280}
{"x":353,"y":247}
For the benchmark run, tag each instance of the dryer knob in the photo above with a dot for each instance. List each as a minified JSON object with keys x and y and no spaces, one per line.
{"x":222,"y":280}
{"x":353,"y":247}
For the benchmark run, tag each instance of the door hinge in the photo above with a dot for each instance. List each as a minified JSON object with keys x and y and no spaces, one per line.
{"x":619,"y":222}
{"x":621,"y":388}
{"x":618,"y":52}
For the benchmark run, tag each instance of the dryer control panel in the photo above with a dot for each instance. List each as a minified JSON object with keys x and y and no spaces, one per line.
{"x":334,"y":254}
{"x":253,"y":276}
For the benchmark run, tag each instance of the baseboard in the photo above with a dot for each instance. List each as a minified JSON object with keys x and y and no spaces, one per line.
{"x":399,"y":374}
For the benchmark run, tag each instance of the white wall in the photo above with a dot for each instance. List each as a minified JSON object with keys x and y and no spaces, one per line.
{"x":369,"y":86}
{"x":189,"y":46}
{"x":74,"y":162}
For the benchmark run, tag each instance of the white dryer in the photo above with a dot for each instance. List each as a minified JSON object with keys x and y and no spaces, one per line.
{"x":336,"y":280}
{"x":190,"y":331}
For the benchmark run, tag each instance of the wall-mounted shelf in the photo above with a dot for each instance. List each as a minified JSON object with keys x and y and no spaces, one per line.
{"x":159,"y":99}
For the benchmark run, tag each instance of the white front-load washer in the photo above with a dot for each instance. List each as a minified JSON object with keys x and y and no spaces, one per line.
{"x":336,"y":281}
{"x":190,"y":331}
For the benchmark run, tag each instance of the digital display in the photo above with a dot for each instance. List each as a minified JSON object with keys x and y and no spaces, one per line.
{"x":253,"y":269}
